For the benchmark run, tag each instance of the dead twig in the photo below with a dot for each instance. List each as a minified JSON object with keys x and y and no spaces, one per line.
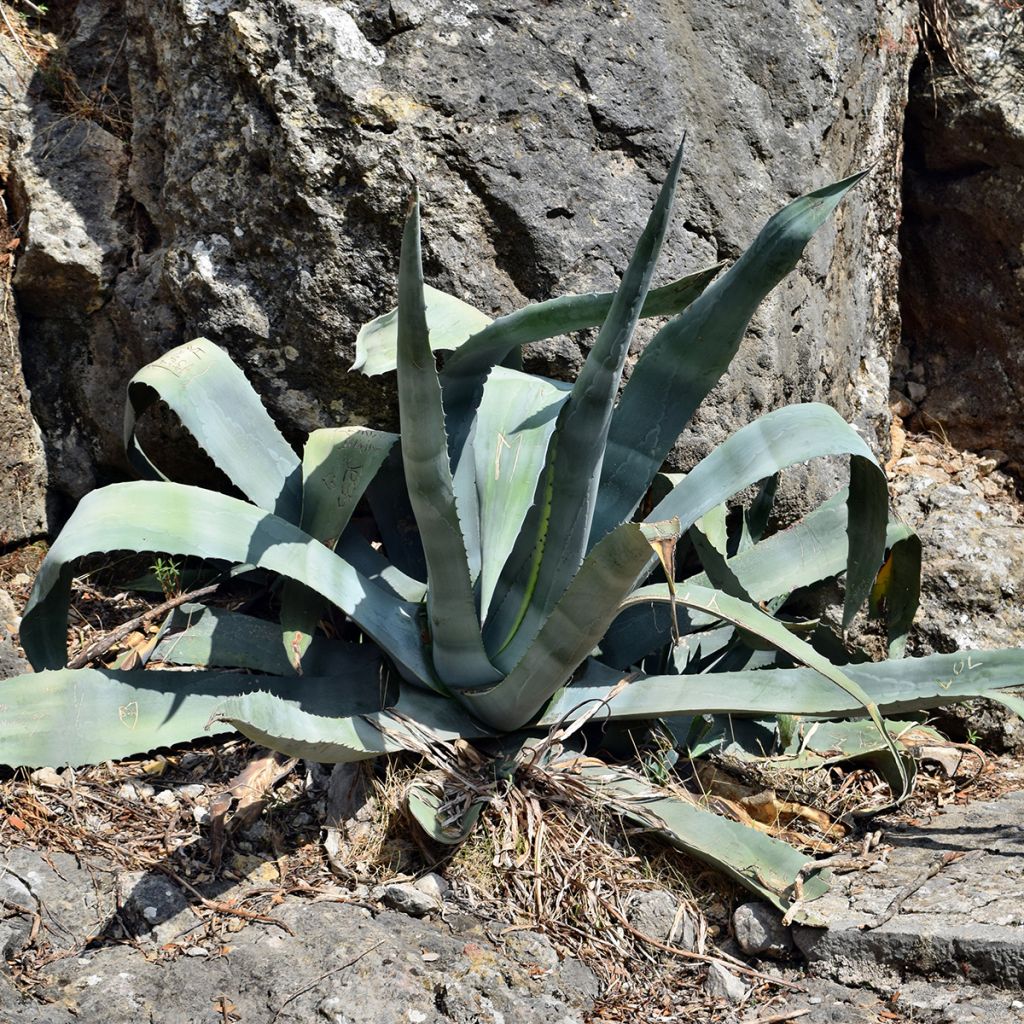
{"x":911,"y":887}
{"x":703,"y":957}
{"x":781,"y":1018}
{"x":100,"y":647}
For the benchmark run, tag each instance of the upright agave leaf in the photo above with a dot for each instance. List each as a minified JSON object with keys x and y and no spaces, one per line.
{"x":458,"y":649}
{"x":514,"y":424}
{"x":578,"y":452}
{"x":573,"y":628}
{"x":685,"y":360}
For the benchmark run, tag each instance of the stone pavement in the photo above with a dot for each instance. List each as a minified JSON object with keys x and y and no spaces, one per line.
{"x":952,"y":954}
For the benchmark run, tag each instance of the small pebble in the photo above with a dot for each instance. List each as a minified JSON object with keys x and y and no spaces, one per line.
{"x":145,"y":790}
{"x":126,"y":791}
{"x":1017,"y":1005}
{"x":433,"y":885}
{"x":166,"y":798}
{"x":201,"y":815}
{"x":193,"y":791}
{"x":196,"y":951}
{"x":48,"y":777}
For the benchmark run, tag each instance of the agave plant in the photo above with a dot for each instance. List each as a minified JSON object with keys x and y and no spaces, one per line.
{"x":510,"y":586}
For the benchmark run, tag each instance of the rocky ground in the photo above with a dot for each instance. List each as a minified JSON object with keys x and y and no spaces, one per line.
{"x":88,"y":941}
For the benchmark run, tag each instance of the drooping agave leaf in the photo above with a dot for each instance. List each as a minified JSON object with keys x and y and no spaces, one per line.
{"x":1012,"y":701}
{"x":449,"y":320}
{"x":751,"y":619}
{"x":713,"y":558}
{"x":220,"y":409}
{"x":572,"y":630}
{"x":895,"y":687}
{"x":458,"y":649}
{"x":688,"y":356}
{"x":811,"y":550}
{"x":184,"y":520}
{"x":337,"y":466}
{"x":779,"y":439}
{"x":322,"y":721}
{"x":765,"y":866}
{"x":583,"y":423}
{"x":217,"y":638}
{"x":87,"y":716}
{"x":514,"y":424}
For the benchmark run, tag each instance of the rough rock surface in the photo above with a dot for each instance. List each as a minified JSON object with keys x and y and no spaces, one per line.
{"x":244,"y":171}
{"x":343,"y":964}
{"x":971,"y":527}
{"x":966,"y":921}
{"x":23,"y":470}
{"x":963,"y":282}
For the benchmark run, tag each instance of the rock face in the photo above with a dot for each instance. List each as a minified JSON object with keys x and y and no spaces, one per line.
{"x":241,"y":172}
{"x":963,"y":282}
{"x":23,"y":469}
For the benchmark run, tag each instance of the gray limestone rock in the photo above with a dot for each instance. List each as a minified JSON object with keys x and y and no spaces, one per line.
{"x":154,"y":905}
{"x":17,"y":908}
{"x":252,"y":187}
{"x":759,"y":931}
{"x":660,"y":916}
{"x":723,"y":984}
{"x":409,"y":899}
{"x":336,"y":962}
{"x":966,"y":920}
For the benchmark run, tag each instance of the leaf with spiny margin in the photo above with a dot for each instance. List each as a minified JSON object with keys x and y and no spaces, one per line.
{"x":88,"y":716}
{"x":183,"y":520}
{"x":783,"y":438}
{"x":766,"y":866}
{"x":900,"y":687}
{"x":751,"y":619}
{"x":457,"y":646}
{"x":687,"y":357}
{"x":514,"y":424}
{"x":218,"y":638}
{"x":578,"y":451}
{"x":219,"y":408}
{"x":573,"y":628}
{"x":320,"y":720}
{"x":338,"y":464}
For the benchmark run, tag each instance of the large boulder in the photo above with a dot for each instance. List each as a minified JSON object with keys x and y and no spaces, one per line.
{"x":244,"y":172}
{"x":963,"y":284}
